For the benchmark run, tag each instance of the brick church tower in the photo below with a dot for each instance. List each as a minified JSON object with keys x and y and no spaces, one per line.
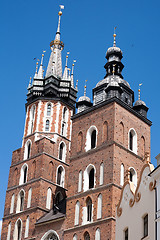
{"x":65,"y":181}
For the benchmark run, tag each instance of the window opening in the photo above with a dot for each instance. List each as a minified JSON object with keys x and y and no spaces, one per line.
{"x":21,"y":200}
{"x":89,"y":210}
{"x":93,"y":139}
{"x":131,"y":141}
{"x":29,"y":150}
{"x":126,"y":234}
{"x":59,"y":175}
{"x":47,"y":126}
{"x":86,"y":236}
{"x":91,"y":178}
{"x":61,"y":151}
{"x":145,"y":220}
{"x":25,"y":175}
{"x":19,"y":229}
{"x":49,"y":110}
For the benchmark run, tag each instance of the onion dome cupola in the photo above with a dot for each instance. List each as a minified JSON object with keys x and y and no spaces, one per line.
{"x":84,"y":102}
{"x":54,"y":85}
{"x":113,"y":84}
{"x":140,"y":105}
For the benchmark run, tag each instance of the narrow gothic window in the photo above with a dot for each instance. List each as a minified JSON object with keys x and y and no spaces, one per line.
{"x":91,"y":178}
{"x":121,"y":132}
{"x":105,"y":131}
{"x":86,"y":236}
{"x":32,"y":117}
{"x":64,"y":121}
{"x":89,"y":209}
{"x":61,"y":151}
{"x":101,"y":173}
{"x":80,"y":181}
{"x":19,"y":228}
{"x":27,"y":228}
{"x":29,"y":150}
{"x":47,"y":126}
{"x":29,"y":198}
{"x":126,"y":234}
{"x":25,"y":175}
{"x":133,"y":176}
{"x":77,"y":208}
{"x":98,"y":234}
{"x":99,"y":206}
{"x":60,"y":176}
{"x":93,"y":139}
{"x":122,"y":175}
{"x":21,"y":200}
{"x":48,"y":200}
{"x":133,"y":141}
{"x":145,"y":225}
{"x":75,"y":237}
{"x":79,"y":142}
{"x":51,"y":236}
{"x":12,"y":204}
{"x":9,"y":231}
{"x":49,"y":109}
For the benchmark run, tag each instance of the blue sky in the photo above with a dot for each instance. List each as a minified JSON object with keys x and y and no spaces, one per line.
{"x":27,"y":28}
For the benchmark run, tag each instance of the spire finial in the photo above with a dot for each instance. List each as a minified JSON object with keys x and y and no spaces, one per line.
{"x":85,"y":87}
{"x":139,"y":92}
{"x":60,"y":14}
{"x":114,"y":35}
{"x":40,"y":72}
{"x":72,"y":80}
{"x":36,"y":73}
{"x":29,"y":85}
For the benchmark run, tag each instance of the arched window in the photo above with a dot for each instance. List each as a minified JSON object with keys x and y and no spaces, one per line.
{"x":48,"y":200}
{"x":29,"y":198}
{"x":34,"y":169}
{"x":142,"y":146}
{"x":122,"y":175}
{"x":133,"y":140}
{"x":47,"y":126}
{"x":75,"y":237}
{"x":89,"y":177}
{"x":60,"y":176}
{"x":98,"y":234}
{"x":62,"y":148}
{"x":32,"y":118}
{"x":9,"y":231}
{"x":91,"y":138}
{"x":101,"y":174}
{"x":80,"y":181}
{"x":99,"y":206}
{"x":86,"y":236}
{"x":23,"y":176}
{"x":77,"y":209}
{"x":18,"y":230}
{"x":20,"y":201}
{"x":50,"y":235}
{"x":49,"y":109}
{"x":12,"y":203}
{"x":133,"y":176}
{"x":79,"y":142}
{"x":105,"y":131}
{"x":27,"y":228}
{"x":89,"y":209}
{"x":27,"y":151}
{"x":64,"y":121}
{"x":121,"y":132}
{"x":51,"y":171}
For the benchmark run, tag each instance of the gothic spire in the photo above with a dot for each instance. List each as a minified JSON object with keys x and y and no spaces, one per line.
{"x":65,"y":74}
{"x":40,"y":71}
{"x":72,"y":80}
{"x":57,"y":47}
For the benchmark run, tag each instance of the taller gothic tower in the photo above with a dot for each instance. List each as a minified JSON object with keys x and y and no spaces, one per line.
{"x":65,"y":181}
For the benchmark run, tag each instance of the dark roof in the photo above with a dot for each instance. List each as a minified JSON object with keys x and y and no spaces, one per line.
{"x":50,"y":217}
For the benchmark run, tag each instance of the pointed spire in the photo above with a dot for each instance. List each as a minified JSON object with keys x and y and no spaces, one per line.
{"x":114,"y":35}
{"x":72,"y":79}
{"x":36,"y":73}
{"x":56,"y":46}
{"x":40,"y":72}
{"x":69,"y":74}
{"x":65,"y":74}
{"x":139,"y":92}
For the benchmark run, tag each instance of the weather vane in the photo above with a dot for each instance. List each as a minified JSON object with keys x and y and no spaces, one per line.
{"x":114,"y":35}
{"x":139,"y":91}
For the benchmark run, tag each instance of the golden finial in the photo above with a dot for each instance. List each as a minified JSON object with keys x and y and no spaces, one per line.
{"x":114,"y":35}
{"x":60,"y":12}
{"x":139,"y":92}
{"x":85,"y":87}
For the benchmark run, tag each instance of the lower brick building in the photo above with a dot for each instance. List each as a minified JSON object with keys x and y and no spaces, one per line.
{"x":66,"y":179}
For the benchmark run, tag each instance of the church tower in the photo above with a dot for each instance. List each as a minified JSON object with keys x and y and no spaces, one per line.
{"x":65,"y":180}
